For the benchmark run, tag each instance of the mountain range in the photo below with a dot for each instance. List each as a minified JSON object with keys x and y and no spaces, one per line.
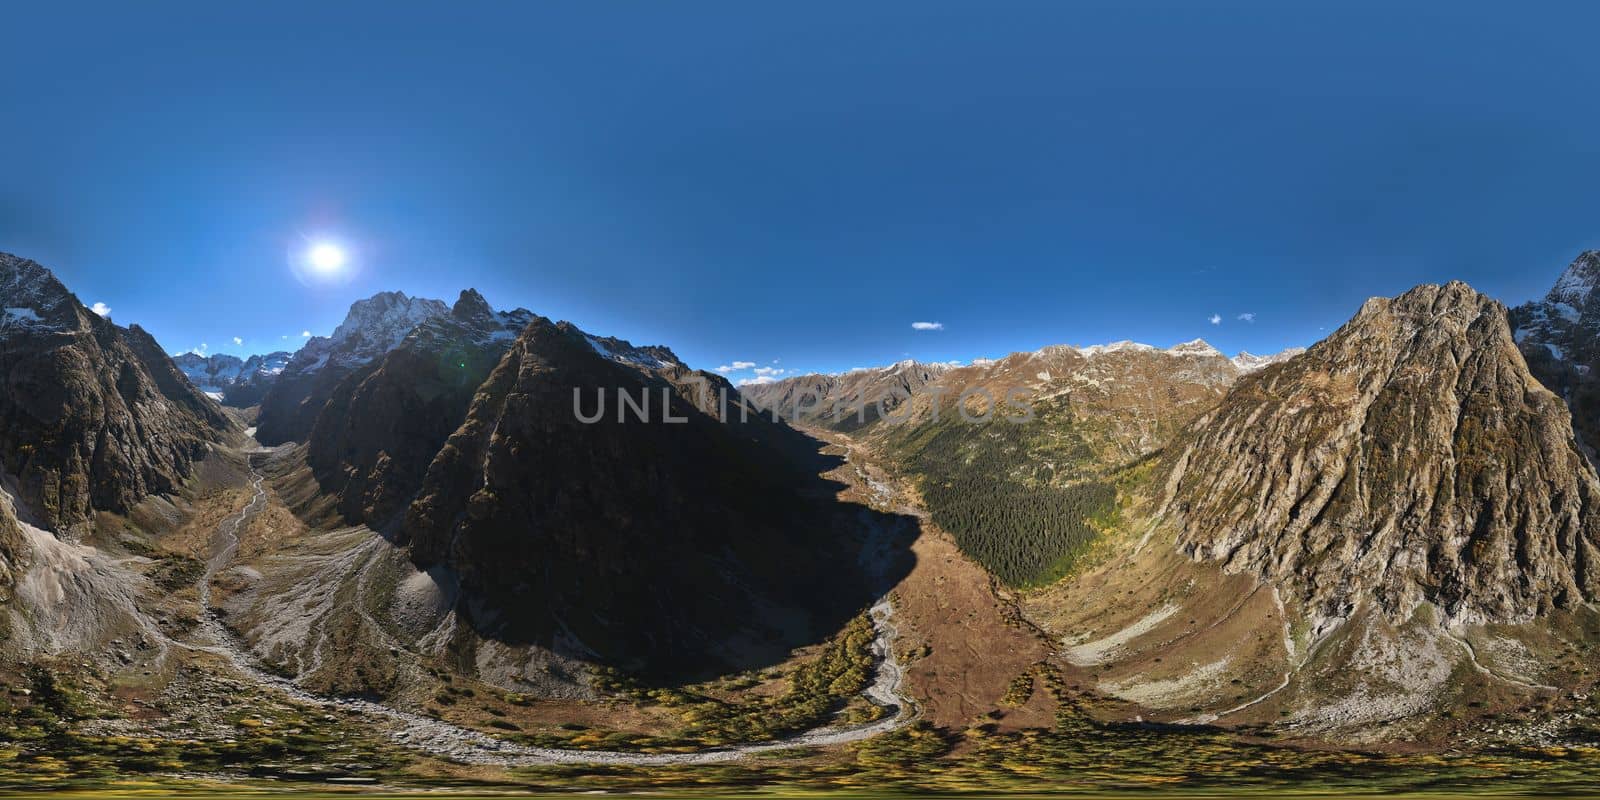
{"x":453,"y":523}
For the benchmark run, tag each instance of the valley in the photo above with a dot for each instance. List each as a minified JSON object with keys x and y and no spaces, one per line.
{"x":1369,"y":561}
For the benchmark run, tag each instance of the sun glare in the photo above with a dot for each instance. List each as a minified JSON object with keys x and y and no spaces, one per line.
{"x":326,"y":257}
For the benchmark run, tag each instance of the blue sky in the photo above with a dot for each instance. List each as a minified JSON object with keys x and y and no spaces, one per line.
{"x":801,"y":182}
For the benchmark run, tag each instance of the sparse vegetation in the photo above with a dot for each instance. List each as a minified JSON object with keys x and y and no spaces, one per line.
{"x":816,"y":690}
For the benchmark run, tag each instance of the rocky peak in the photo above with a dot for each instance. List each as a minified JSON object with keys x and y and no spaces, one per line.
{"x":1194,"y":347}
{"x":1408,"y":459}
{"x":620,"y":351}
{"x":31,"y":297}
{"x":1578,"y":283}
{"x":93,"y":417}
{"x":1247,"y":361}
{"x":381,"y":321}
{"x":471,"y":306}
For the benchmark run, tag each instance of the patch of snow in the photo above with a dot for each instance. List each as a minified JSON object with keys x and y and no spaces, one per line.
{"x":23,"y":316}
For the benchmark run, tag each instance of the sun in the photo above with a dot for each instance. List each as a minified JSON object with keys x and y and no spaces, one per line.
{"x":326,"y":257}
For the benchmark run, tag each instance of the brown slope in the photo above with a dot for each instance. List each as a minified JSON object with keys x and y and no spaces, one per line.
{"x":92,"y":416}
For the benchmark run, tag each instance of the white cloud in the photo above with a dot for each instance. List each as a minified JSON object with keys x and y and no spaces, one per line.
{"x":101,"y":308}
{"x":1248,"y":316}
{"x":304,"y":334}
{"x":735,"y":366}
{"x":1215,"y":319}
{"x":756,"y":381}
{"x":238,"y":341}
{"x":768,"y":371}
{"x":201,"y":350}
{"x":927,"y":326}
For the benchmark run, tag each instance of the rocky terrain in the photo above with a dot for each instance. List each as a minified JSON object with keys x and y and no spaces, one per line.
{"x":93,"y":416}
{"x":847,"y":401}
{"x":1404,"y":503}
{"x":1560,"y":338}
{"x":1013,"y":455}
{"x":372,"y":328}
{"x":498,"y":541}
{"x":231,"y":380}
{"x":624,"y":539}
{"x":1408,"y":459}
{"x":385,"y":422}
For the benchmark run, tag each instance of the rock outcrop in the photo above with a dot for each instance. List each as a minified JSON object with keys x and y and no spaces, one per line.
{"x":385,"y":422}
{"x":93,"y":417}
{"x":1408,"y":458}
{"x":1560,"y":338}
{"x":373,"y":327}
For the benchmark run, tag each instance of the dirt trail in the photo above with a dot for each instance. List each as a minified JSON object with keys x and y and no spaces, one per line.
{"x":456,"y":743}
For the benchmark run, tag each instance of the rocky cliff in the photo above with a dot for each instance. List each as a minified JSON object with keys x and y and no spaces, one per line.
{"x":92,"y":416}
{"x":1392,"y":536}
{"x":1560,"y":338}
{"x":1408,"y":458}
{"x":372,"y":328}
{"x":385,"y":422}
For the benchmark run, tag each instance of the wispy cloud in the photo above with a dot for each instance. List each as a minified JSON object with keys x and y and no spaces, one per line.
{"x":1248,"y":316}
{"x":1216,"y":319}
{"x":769,"y":371}
{"x":756,"y":381}
{"x":927,"y":326}
{"x":101,"y":308}
{"x":305,"y":334}
{"x":735,"y":366}
{"x":238,"y":341}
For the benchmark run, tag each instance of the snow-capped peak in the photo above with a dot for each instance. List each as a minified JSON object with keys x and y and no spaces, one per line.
{"x":383,"y":320}
{"x":623,"y":353}
{"x":373,"y":327}
{"x":1123,"y":346}
{"x":1247,"y":361}
{"x":1578,"y":282}
{"x":31,"y":298}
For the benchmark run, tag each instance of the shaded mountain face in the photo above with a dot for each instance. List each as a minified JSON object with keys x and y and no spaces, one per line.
{"x":385,"y":422}
{"x":92,"y":416}
{"x":658,"y":546}
{"x":231,"y":380}
{"x":1386,"y":537}
{"x":1560,"y":338}
{"x":372,"y":328}
{"x":1409,"y":458}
